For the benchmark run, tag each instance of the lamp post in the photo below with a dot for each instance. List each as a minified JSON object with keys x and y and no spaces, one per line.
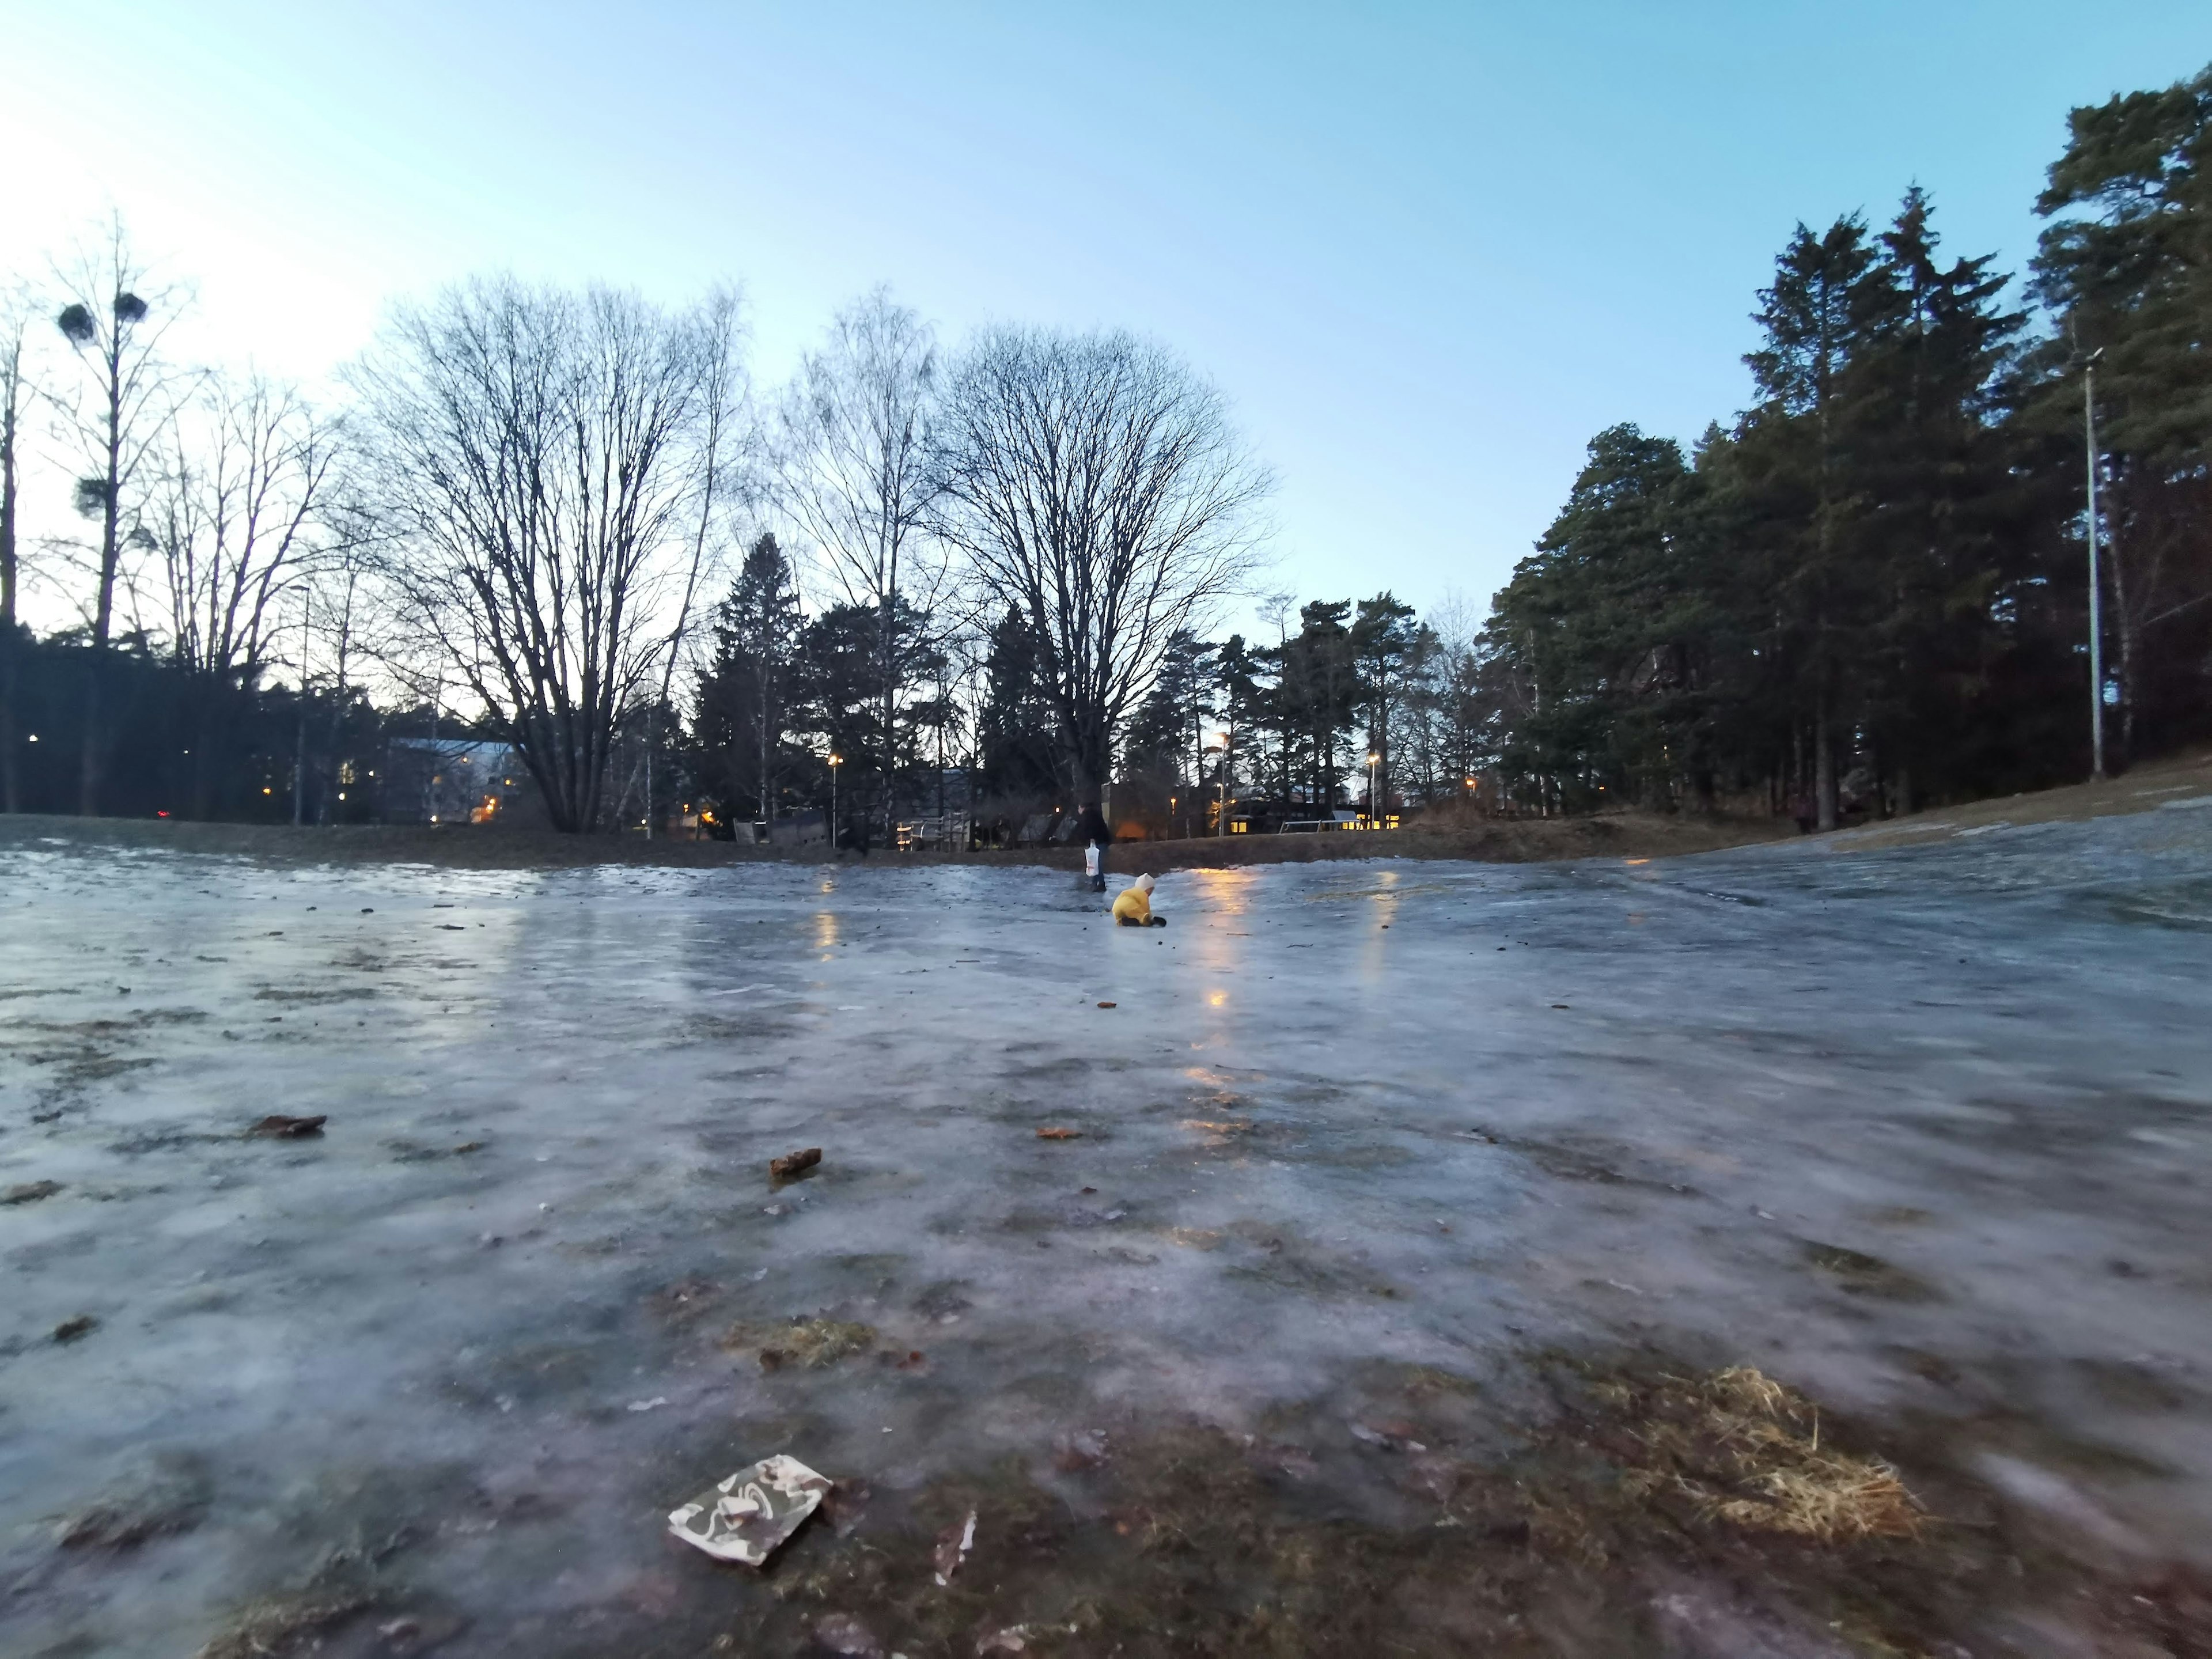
{"x":2096,"y":596}
{"x":300,"y":746}
{"x":1374,"y":759}
{"x":835,"y":760}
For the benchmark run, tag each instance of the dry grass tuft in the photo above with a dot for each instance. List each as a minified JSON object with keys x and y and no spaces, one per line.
{"x":1745,"y":1450}
{"x":809,"y":1342}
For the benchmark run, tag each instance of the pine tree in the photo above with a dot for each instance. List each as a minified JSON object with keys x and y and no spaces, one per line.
{"x":1383,"y":633}
{"x":1831,"y":298}
{"x":1940,"y":530}
{"x":1317,"y":696}
{"x":1241,"y":701}
{"x":2126,"y":265}
{"x":1594,"y":622}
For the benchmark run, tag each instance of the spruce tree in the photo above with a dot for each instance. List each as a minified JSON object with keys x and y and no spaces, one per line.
{"x":2126,"y":268}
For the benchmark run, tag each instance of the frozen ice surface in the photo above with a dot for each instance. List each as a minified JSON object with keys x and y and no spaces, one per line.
{"x":1924,"y":1132}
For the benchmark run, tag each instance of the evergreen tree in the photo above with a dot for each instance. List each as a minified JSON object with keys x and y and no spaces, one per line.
{"x":1166,"y":736}
{"x":1240,"y":699}
{"x":1609,"y":625}
{"x":1942,"y":526}
{"x":1804,"y":447}
{"x":1383,"y":633}
{"x":741,"y":712}
{"x":1317,"y":698}
{"x":2126,"y":268}
{"x":835,"y":677}
{"x":1014,"y":725}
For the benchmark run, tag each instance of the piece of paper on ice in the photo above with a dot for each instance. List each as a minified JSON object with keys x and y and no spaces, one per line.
{"x":749,"y":1515}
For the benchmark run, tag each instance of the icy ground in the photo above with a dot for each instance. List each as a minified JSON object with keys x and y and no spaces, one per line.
{"x":1923,"y":1133}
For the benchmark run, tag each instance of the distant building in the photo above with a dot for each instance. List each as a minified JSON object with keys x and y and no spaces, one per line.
{"x":454,"y":781}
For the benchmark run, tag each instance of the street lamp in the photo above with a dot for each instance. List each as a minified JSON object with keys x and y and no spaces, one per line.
{"x":1374,"y":760}
{"x":835,"y":760}
{"x":2096,"y":607}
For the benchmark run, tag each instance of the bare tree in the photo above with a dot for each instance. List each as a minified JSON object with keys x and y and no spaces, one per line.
{"x":854,"y":475}
{"x":12,"y":392}
{"x":1098,"y":488}
{"x":539,"y":455}
{"x":725,"y":393}
{"x":114,"y":323}
{"x":234,"y":519}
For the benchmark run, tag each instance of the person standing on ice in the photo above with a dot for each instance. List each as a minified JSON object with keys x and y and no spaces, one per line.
{"x":1133,"y":908}
{"x":1097,"y":835}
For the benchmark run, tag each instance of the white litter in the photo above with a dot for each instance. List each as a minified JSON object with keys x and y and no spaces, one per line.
{"x":746,"y":1517}
{"x":952,"y":1547}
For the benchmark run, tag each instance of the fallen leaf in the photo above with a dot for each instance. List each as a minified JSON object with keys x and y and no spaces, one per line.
{"x":794,"y":1164}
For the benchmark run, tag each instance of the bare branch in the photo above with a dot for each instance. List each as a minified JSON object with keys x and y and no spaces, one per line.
{"x":1099,"y":490}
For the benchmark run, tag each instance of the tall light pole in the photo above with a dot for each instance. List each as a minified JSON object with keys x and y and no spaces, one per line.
{"x":835,"y":760}
{"x":299,"y":747}
{"x":2096,"y":595}
{"x":1374,"y":759}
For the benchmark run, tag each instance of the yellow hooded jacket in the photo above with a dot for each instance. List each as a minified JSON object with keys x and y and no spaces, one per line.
{"x":1135,"y":902}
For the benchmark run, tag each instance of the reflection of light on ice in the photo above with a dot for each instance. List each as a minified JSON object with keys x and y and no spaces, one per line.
{"x":1223,"y":890}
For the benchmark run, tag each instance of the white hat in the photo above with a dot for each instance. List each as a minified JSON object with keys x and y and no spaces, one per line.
{"x":1145,"y":882}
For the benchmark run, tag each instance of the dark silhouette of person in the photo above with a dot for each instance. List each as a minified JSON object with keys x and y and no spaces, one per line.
{"x":1095,"y":833}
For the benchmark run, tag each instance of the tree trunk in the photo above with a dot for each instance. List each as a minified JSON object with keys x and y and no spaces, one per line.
{"x":90,"y":769}
{"x":88,"y":787}
{"x":1823,"y":765}
{"x":765,"y":798}
{"x":11,"y":799}
{"x":204,"y":742}
{"x":2128,"y":632}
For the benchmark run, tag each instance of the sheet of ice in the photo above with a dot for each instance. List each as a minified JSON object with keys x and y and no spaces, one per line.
{"x":1442,"y":1114}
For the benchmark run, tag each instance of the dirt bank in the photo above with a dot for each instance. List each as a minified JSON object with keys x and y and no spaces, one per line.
{"x":1504,"y":841}
{"x":1526,"y":840}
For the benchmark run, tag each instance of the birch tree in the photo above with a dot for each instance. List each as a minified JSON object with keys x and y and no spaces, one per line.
{"x":233,"y":522}
{"x":114,"y":418}
{"x":13,"y":398}
{"x":853,"y":475}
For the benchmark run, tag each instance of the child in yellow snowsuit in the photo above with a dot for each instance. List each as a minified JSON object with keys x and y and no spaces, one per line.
{"x":1133,"y":908}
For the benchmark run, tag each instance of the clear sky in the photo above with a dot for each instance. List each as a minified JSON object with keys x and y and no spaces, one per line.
{"x":1427,"y":250}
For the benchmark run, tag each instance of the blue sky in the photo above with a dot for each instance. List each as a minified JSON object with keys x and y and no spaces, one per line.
{"x":1427,"y":250}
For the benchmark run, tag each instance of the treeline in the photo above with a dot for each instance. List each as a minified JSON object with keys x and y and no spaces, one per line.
{"x":517,"y":521}
{"x":1867,"y":593}
{"x":567,"y":521}
{"x":1360,"y":691}
{"x":1873,"y":587}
